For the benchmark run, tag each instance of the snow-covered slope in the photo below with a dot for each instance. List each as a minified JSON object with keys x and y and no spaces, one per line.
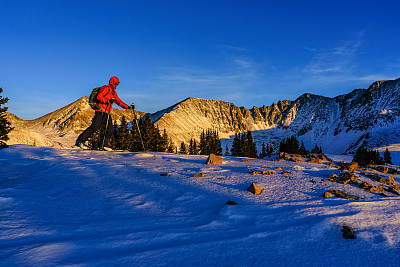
{"x":69,"y":207}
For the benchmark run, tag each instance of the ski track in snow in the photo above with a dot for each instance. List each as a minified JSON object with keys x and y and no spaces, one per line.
{"x":69,"y":207}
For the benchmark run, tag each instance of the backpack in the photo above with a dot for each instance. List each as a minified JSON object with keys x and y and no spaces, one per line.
{"x":93,"y":101}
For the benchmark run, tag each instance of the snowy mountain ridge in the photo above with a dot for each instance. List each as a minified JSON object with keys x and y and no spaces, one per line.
{"x":341,"y":124}
{"x":61,"y":127}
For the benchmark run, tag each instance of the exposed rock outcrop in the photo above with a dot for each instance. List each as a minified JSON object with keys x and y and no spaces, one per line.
{"x":214,"y":159}
{"x":255,"y":189}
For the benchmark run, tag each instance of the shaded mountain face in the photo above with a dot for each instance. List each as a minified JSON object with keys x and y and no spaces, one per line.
{"x":367,"y":117}
{"x":59,"y":128}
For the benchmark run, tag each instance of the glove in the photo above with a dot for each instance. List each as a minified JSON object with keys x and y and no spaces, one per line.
{"x":110,"y":101}
{"x":132,"y":106}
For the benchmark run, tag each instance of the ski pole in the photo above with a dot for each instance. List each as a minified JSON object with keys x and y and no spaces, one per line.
{"x":137,"y":125}
{"x":105,"y":131}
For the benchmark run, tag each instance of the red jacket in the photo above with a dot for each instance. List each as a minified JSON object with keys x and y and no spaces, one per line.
{"x":106,"y":93}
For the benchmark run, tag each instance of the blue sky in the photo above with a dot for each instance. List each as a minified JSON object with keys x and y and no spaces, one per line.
{"x":250,"y":53}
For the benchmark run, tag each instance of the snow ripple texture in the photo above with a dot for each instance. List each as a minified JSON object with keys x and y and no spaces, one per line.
{"x":68,"y":207}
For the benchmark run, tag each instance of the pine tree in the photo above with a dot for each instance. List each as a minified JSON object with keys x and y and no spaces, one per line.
{"x":289,"y":145}
{"x":302,"y":149}
{"x":202,"y":145}
{"x":147,"y":131}
{"x":164,"y":142}
{"x":250,"y":147}
{"x":95,"y":141}
{"x":136,"y":131}
{"x":5,"y":125}
{"x":387,"y":157}
{"x":316,"y":150}
{"x":366,"y":156}
{"x":244,"y":146}
{"x":270,"y":150}
{"x":122,"y":136}
{"x":236,"y":149}
{"x":217,"y":143}
{"x":183,"y":148}
{"x":191,"y":147}
{"x":113,"y":139}
{"x":263,"y":153}
{"x":171,"y":148}
{"x":195,"y":148}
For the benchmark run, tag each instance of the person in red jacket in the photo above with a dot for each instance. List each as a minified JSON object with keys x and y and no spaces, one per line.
{"x":106,"y":97}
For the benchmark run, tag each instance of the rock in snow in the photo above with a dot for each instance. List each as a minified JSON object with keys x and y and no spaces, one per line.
{"x":255,"y":189}
{"x":214,"y":159}
{"x":348,"y":232}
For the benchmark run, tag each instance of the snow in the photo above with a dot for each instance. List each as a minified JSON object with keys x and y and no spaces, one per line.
{"x":69,"y":207}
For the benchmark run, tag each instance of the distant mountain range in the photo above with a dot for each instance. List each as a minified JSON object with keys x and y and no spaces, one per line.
{"x":369,"y":117}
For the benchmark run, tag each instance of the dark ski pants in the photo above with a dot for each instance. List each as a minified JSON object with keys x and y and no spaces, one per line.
{"x":99,"y":118}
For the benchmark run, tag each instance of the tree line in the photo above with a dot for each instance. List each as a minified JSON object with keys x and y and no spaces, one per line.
{"x":133,"y":137}
{"x":210,"y":143}
{"x":130,"y":136}
{"x":5,"y":125}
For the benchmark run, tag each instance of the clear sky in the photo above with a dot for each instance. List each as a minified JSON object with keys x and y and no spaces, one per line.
{"x":250,"y":53}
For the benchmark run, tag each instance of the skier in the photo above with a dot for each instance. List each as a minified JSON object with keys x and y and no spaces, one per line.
{"x":106,"y":97}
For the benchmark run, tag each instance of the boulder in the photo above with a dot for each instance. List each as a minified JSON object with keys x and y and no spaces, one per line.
{"x":348,"y":166}
{"x":375,"y":189}
{"x":213,"y":159}
{"x":393,"y":190}
{"x":286,"y":172}
{"x":333,"y":178}
{"x":330,"y":164}
{"x":296,"y":160}
{"x":165,"y":174}
{"x":382,"y":169}
{"x":269,"y":172}
{"x":391,"y":180}
{"x":315,"y":160}
{"x":253,"y":172}
{"x":348,"y":232}
{"x":343,"y":194}
{"x":323,"y":157}
{"x":245,"y":160}
{"x":353,"y":166}
{"x":365,"y":185}
{"x":278,"y":169}
{"x":327,"y":195}
{"x":284,"y":155}
{"x":255,"y":189}
{"x":347,"y":178}
{"x":231,"y":202}
{"x":199,"y":175}
{"x":377,"y":178}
